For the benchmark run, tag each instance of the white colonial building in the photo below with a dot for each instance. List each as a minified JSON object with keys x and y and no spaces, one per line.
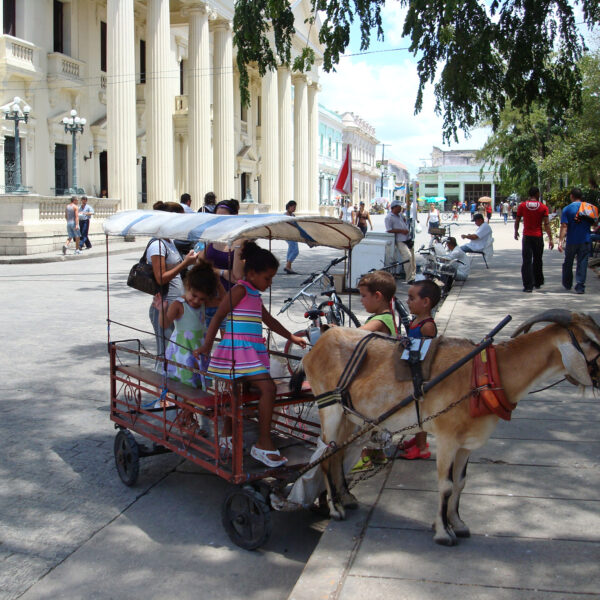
{"x":330,"y":153}
{"x":456,"y":175}
{"x":157,"y":83}
{"x":361,"y":137}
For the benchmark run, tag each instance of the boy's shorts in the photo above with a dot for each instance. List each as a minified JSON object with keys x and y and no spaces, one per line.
{"x":72,"y":231}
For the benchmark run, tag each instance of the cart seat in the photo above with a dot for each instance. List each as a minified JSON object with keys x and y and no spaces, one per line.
{"x":187,"y":393}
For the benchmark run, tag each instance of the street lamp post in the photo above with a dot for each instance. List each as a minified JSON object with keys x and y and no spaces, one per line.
{"x":14,"y":113}
{"x":74,"y":125}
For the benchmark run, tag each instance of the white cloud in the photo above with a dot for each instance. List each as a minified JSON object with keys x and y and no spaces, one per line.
{"x":384,"y":95}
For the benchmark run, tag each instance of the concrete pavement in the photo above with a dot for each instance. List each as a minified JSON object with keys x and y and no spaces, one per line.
{"x":70,"y":529}
{"x":531,"y":497}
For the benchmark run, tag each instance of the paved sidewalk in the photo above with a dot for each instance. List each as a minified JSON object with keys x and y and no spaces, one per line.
{"x":116,"y":245}
{"x":531,"y":498}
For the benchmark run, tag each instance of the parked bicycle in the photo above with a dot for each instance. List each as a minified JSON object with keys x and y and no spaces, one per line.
{"x":331,"y":311}
{"x":335,"y":311}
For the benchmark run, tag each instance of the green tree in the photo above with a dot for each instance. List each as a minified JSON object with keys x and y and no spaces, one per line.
{"x":479,"y":56}
{"x":575,"y":155}
{"x":552,"y":151}
{"x":518,"y":146}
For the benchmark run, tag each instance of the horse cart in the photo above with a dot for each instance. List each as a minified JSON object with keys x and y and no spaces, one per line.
{"x":168,"y":416}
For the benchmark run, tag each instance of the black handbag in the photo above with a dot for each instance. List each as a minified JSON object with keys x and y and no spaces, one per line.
{"x":141,"y":277}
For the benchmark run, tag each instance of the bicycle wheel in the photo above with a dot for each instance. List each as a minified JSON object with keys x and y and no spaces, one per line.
{"x":289,"y":348}
{"x":339,"y":314}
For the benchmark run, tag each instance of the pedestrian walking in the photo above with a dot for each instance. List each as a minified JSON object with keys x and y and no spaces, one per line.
{"x":85,"y":216}
{"x":473,"y":208}
{"x":186,"y":202}
{"x":346,"y":212}
{"x":575,"y":240}
{"x":362,"y":217}
{"x":210,"y":203}
{"x":292,"y":252}
{"x":73,"y":233}
{"x":535,"y":217}
{"x":505,"y":209}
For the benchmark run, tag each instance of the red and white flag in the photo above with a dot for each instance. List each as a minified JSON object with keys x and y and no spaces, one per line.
{"x":343,"y":182}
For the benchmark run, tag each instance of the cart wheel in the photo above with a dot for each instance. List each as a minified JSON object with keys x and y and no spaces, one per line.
{"x":246,"y":518}
{"x":127,"y":457}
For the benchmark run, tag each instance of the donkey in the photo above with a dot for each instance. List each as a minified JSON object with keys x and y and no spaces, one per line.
{"x":569,"y":345}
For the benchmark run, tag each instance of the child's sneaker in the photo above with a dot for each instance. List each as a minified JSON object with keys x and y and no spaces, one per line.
{"x":414,"y":453}
{"x":78,"y":252}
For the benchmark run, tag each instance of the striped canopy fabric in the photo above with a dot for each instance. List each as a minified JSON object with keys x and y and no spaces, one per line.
{"x":312,"y":230}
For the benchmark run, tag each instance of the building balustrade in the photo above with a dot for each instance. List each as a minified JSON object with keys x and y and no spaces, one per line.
{"x":53,"y":208}
{"x":65,"y":72}
{"x":18,"y":57}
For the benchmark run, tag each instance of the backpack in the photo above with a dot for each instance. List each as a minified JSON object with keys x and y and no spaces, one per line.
{"x":586,"y":213}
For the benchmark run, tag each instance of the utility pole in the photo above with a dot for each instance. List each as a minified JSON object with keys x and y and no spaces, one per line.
{"x":382,"y":165}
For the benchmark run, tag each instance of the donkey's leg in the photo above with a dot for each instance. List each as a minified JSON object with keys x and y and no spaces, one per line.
{"x":347,"y":498}
{"x":332,"y":428}
{"x":460,"y":476}
{"x":446,"y":452}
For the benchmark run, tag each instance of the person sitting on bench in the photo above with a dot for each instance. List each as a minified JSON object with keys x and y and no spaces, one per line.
{"x":479,"y":240}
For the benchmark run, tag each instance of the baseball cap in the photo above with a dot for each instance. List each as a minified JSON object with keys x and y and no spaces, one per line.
{"x":395,"y":202}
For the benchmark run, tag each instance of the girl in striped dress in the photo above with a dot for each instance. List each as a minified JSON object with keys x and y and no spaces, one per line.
{"x":242,"y":352}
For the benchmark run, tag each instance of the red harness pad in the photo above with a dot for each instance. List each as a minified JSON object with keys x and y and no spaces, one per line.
{"x":491,"y":399}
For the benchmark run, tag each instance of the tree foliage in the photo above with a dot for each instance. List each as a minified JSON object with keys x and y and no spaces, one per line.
{"x":552,"y":151}
{"x":479,"y":56}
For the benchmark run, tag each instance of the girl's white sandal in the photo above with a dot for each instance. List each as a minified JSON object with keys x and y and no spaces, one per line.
{"x":263,"y":457}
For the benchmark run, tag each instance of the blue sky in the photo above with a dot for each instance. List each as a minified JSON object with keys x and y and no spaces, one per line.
{"x":381,"y":87}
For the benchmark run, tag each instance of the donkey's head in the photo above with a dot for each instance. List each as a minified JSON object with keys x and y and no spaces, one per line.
{"x":581,"y":351}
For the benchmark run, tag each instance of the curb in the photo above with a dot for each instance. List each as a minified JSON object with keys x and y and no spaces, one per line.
{"x":325,"y":572}
{"x":45,"y":258}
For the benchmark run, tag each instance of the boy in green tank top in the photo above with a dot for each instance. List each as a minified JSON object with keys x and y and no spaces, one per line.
{"x":377,"y":290}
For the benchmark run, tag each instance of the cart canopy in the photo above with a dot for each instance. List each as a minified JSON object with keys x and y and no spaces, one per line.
{"x":210,"y":228}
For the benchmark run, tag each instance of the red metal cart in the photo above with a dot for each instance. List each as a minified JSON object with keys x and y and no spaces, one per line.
{"x":172,"y":417}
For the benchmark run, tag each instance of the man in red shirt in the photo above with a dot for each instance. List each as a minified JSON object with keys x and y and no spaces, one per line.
{"x":535,"y":216}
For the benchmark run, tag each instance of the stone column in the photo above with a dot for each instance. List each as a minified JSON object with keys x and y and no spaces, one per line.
{"x":2,"y":163}
{"x":223,"y":111}
{"x":461,"y":191}
{"x":199,"y":97}
{"x":301,"y":167}
{"x":493,"y":194}
{"x":120,"y":104}
{"x":313,"y":148}
{"x":159,"y":104}
{"x":286,"y":159}
{"x":270,"y":142}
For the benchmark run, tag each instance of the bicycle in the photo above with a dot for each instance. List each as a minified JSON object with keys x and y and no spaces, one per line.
{"x":335,"y":311}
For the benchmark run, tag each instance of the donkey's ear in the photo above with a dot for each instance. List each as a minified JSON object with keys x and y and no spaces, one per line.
{"x":575,"y":364}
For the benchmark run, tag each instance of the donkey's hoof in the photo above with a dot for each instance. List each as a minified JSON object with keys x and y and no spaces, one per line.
{"x":445,"y":538}
{"x":462,"y":531}
{"x":337,"y":512}
{"x":349,"y":501}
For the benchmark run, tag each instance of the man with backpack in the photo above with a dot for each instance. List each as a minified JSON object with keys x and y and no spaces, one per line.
{"x":575,"y":223}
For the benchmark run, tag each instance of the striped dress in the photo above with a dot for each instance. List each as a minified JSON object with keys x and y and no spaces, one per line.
{"x":242,"y":350}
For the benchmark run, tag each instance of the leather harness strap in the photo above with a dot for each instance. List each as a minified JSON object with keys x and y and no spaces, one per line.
{"x":341,"y":393}
{"x":488,"y":394}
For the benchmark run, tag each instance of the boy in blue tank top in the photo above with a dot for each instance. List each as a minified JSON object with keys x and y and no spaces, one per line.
{"x":423,"y":297}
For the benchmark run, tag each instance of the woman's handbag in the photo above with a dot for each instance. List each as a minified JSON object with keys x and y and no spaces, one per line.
{"x":141,"y":277}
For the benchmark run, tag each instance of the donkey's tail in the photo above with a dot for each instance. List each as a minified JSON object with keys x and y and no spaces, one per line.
{"x":297,"y":379}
